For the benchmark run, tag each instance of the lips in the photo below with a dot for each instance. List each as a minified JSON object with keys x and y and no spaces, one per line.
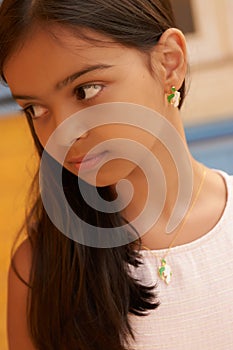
{"x":75,"y":160}
{"x":88,"y":163}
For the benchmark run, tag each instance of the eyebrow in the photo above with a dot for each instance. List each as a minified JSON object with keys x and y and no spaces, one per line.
{"x":24,"y":97}
{"x":68,"y":80}
{"x":76,"y":75}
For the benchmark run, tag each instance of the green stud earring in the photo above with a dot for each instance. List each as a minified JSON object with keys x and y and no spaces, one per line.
{"x":174,"y":97}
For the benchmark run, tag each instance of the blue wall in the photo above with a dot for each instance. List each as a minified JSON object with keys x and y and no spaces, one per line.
{"x":6,"y":103}
{"x":212,"y":144}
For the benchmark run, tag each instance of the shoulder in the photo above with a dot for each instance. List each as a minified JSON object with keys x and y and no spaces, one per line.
{"x":18,"y":336}
{"x":22,"y":259}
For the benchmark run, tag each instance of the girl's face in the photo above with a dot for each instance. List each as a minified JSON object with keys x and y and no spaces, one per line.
{"x":54,"y":77}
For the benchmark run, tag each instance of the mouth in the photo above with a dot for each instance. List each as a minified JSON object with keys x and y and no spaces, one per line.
{"x":89,"y":162}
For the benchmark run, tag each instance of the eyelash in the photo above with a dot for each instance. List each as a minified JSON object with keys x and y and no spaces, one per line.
{"x":28,"y":110}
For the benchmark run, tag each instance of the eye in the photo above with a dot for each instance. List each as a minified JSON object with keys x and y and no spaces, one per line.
{"x":35,"y":111}
{"x":88,"y":92}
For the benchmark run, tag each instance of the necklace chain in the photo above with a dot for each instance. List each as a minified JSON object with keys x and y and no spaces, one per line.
{"x":164,"y":271}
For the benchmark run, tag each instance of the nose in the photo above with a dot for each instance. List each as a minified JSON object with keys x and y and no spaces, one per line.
{"x":67,"y":126}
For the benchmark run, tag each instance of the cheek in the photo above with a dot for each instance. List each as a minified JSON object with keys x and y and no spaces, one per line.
{"x":128,"y":137}
{"x":128,"y":148}
{"x":146,"y":91}
{"x":43,"y":130}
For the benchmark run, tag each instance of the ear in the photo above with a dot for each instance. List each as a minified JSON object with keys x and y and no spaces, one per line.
{"x":173,"y":58}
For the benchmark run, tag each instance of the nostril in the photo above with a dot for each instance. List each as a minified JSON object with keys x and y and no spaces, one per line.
{"x":84,"y":135}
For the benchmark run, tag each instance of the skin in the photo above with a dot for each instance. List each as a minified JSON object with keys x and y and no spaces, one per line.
{"x":55,"y":105}
{"x":37,"y":66}
{"x":127,"y":80}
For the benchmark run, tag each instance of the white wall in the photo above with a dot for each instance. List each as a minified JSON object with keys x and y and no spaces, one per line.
{"x":211,"y":61}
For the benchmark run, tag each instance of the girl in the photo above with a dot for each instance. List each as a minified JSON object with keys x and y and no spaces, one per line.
{"x":159,"y":290}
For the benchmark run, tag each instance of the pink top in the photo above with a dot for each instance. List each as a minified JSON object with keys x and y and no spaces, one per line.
{"x":196,"y":310}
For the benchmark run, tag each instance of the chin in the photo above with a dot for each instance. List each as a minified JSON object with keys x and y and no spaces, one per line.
{"x":108,"y":175}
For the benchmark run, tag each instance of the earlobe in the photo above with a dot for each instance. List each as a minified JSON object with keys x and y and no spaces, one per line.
{"x":172,"y":47}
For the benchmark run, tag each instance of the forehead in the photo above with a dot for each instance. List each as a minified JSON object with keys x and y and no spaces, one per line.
{"x":56,"y":53}
{"x":63,"y":40}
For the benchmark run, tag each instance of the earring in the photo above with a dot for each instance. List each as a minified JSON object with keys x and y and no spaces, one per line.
{"x":174,"y":98}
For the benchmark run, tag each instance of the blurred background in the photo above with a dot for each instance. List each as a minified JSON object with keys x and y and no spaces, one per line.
{"x":207,"y":115}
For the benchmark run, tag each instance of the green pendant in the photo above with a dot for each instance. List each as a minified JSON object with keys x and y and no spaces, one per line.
{"x":165,"y":272}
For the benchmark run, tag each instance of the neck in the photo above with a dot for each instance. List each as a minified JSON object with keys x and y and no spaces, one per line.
{"x":204,"y":215}
{"x":139,"y":183}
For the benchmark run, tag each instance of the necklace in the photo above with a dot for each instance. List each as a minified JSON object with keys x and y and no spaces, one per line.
{"x":164,"y":270}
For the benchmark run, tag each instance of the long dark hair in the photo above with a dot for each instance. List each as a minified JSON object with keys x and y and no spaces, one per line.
{"x":80,"y":296}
